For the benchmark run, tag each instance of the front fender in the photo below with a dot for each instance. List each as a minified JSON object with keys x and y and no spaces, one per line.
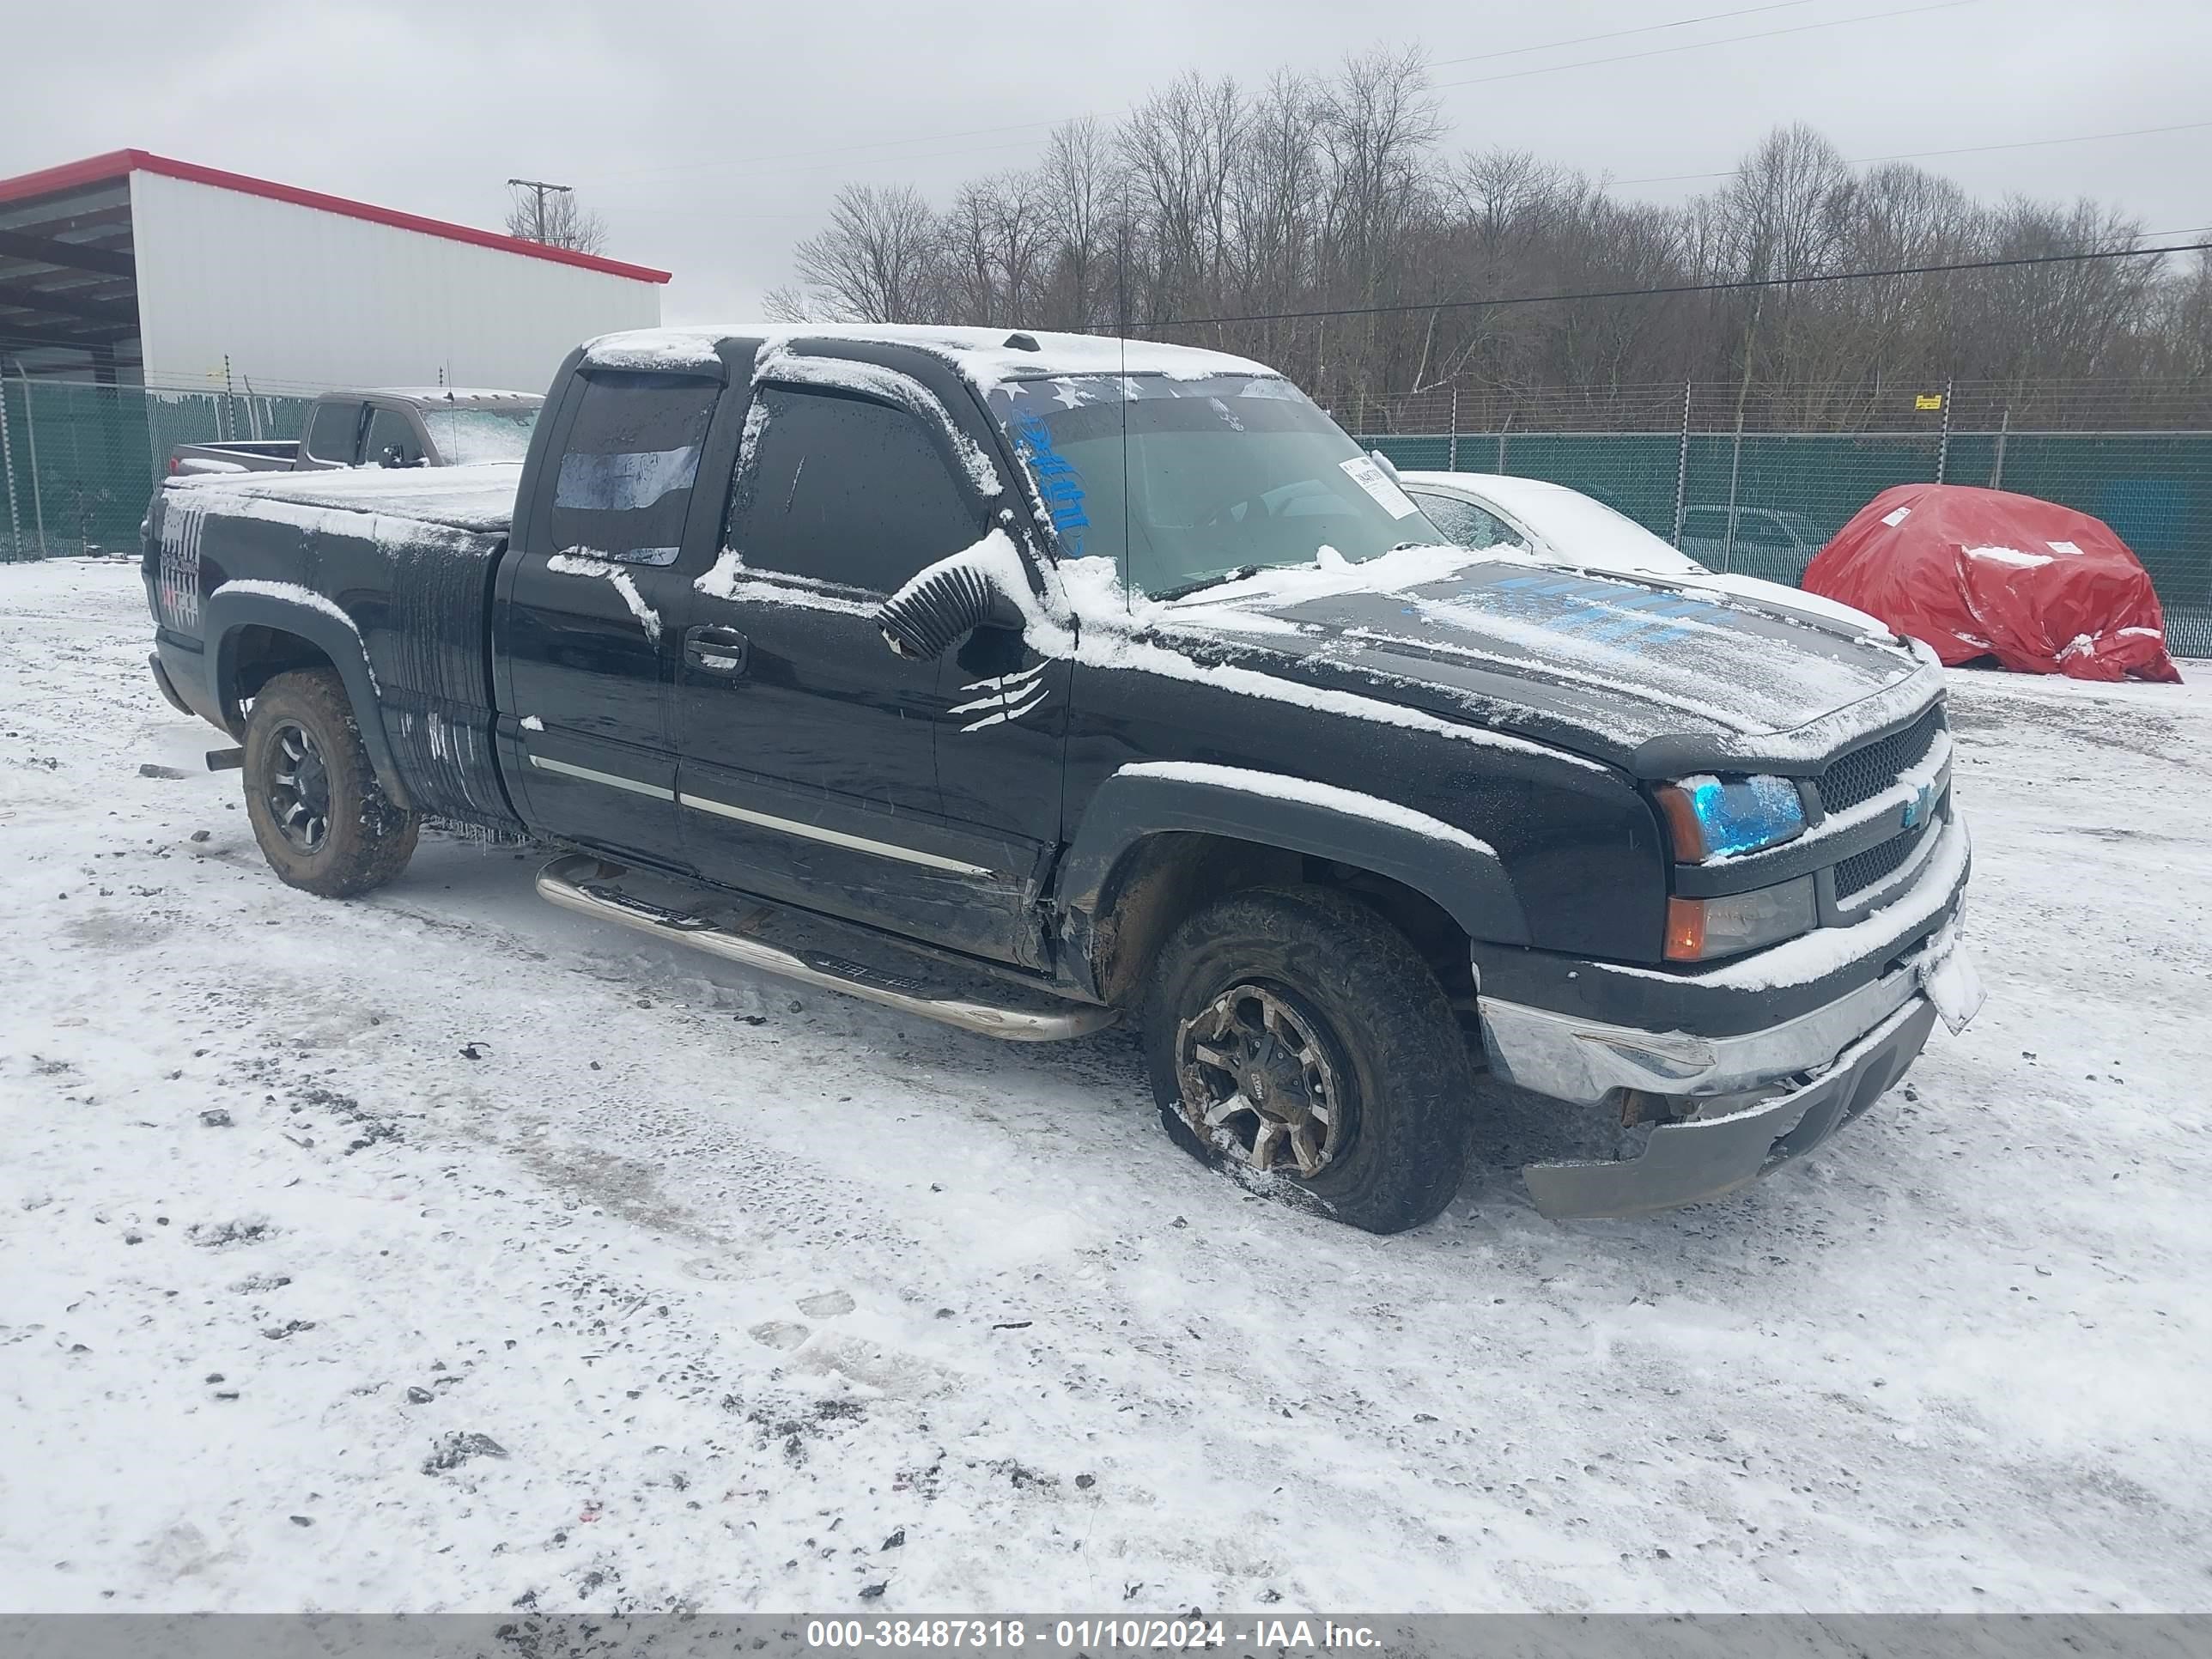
{"x":236,"y":606}
{"x":1461,"y":873}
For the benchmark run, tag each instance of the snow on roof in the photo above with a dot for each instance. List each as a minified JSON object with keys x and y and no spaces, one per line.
{"x":453,"y":394}
{"x":982,"y":354}
{"x":1505,"y":489}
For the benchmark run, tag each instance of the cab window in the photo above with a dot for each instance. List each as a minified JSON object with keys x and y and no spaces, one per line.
{"x":624,"y":488}
{"x":846,"y":491}
{"x":392,"y":440}
{"x":334,"y":435}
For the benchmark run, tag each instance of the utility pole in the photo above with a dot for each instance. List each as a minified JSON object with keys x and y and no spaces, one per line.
{"x":538,"y":188}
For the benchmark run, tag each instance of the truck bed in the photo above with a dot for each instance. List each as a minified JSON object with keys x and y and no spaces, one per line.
{"x":405,"y":559}
{"x":255,"y":455}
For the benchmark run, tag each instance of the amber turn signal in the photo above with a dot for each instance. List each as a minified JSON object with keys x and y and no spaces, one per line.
{"x":1686,"y":930}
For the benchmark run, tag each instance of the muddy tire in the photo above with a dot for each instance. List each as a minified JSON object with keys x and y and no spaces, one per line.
{"x":324,"y":823}
{"x":1298,"y":1040}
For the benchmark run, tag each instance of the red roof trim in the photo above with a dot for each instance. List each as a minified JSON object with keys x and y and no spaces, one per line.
{"x":121,"y":163}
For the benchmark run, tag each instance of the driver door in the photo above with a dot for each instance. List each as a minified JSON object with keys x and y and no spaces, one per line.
{"x":810,"y":752}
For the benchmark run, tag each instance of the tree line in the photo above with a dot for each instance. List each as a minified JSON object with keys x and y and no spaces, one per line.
{"x":1332,"y":192}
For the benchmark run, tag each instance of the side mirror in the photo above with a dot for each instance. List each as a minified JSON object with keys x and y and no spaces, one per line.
{"x":1389,"y":467}
{"x":941,"y":607}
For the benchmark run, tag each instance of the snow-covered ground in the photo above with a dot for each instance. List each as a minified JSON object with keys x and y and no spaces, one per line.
{"x":443,"y":1250}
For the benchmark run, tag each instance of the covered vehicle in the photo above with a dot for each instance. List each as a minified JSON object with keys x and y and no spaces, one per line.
{"x":1985,"y":573}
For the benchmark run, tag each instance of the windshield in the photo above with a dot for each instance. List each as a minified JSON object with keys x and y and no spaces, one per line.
{"x":465,"y":436}
{"x":1225,"y":475}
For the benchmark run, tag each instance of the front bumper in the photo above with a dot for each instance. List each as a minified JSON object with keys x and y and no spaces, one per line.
{"x":1755,"y":1061}
{"x":1708,"y":1157}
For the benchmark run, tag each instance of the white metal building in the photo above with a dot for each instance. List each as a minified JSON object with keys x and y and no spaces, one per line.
{"x":133,"y":269}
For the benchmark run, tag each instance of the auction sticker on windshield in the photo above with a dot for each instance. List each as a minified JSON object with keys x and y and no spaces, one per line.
{"x":1375,"y":482}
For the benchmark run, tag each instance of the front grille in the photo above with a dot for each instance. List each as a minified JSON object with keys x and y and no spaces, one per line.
{"x":1865,"y":773}
{"x":1863,"y":870}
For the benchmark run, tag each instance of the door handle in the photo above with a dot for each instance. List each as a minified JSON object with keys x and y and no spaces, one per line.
{"x":722,"y":650}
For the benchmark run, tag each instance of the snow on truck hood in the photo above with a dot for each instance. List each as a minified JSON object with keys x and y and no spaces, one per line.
{"x":1598,"y":664}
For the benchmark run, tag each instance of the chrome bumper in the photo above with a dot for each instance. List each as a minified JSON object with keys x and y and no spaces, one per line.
{"x":1709,"y":1158}
{"x":1757,"y":1099}
{"x":1584,"y":1061}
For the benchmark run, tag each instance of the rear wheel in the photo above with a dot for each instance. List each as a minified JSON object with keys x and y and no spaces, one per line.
{"x":1297,"y":1040}
{"x":323,"y":820}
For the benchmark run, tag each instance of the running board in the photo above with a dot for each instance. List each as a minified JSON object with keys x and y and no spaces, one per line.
{"x":587,"y":884}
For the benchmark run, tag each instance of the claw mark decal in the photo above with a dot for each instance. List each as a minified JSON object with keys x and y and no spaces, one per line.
{"x":1008,"y":696}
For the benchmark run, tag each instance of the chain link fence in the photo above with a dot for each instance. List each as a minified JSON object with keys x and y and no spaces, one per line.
{"x":80,"y":460}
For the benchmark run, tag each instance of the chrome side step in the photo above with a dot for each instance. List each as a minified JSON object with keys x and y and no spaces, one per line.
{"x":587,"y":885}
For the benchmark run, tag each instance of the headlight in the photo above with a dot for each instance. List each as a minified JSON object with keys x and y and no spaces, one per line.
{"x":1710,"y":818}
{"x":1701,"y":929}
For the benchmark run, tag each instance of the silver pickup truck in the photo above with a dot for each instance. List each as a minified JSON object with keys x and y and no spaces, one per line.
{"x":391,"y":426}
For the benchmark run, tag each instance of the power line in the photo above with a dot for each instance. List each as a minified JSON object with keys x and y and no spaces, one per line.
{"x":1055,"y":121}
{"x":1736,"y":285}
{"x":1615,"y":34}
{"x":1923,"y":154}
{"x":1700,"y":46}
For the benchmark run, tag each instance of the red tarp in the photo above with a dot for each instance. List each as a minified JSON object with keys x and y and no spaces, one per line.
{"x":1984,"y":573}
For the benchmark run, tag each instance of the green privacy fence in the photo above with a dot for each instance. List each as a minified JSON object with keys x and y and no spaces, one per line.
{"x":1792,"y":491}
{"x":78,"y":462}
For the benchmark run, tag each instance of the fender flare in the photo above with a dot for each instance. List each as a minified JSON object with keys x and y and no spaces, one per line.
{"x":225,"y":615}
{"x":1461,"y":875}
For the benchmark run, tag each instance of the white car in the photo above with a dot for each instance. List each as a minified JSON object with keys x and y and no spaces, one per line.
{"x":1483,"y":510}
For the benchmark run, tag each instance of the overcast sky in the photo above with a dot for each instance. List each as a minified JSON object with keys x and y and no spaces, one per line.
{"x":710,"y":137}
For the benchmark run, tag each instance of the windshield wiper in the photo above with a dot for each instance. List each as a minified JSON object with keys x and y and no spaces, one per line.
{"x":1184,"y":590}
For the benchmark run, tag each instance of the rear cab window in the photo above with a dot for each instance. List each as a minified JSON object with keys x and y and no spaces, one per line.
{"x":623,"y":487}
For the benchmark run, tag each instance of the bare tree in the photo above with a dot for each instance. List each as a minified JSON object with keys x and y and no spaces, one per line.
{"x":552,"y":215}
{"x":878,"y":259}
{"x":790,"y":303}
{"x":1327,"y":203}
{"x":1179,"y":147}
{"x":1081,"y":185}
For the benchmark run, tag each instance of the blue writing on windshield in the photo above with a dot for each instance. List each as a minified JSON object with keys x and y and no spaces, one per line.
{"x":1057,"y":481}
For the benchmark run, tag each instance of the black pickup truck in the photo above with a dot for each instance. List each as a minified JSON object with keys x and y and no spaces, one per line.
{"x":1028,"y":681}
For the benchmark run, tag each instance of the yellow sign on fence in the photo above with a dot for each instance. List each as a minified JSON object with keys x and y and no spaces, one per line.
{"x":1928,"y":400}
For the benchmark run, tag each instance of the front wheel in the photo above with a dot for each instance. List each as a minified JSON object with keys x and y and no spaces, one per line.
{"x":323,"y":822}
{"x":1297,"y":1040}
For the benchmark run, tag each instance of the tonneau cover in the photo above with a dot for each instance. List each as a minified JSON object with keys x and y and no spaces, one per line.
{"x":479,"y":498}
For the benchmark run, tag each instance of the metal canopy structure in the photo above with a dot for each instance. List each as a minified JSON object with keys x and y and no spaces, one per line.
{"x":75,"y":246}
{"x":69,"y":284}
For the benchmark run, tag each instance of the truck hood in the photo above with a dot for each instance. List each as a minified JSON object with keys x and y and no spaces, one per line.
{"x":1655,"y":675}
